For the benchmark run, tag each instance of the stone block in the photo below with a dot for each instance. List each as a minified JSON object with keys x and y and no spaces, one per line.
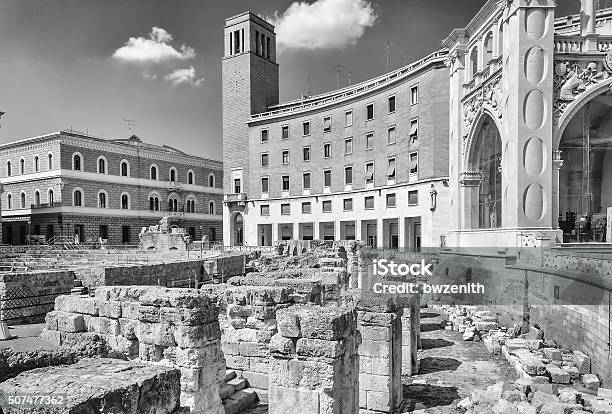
{"x":515,"y":344}
{"x":194,"y":336}
{"x":288,"y":324}
{"x":571,"y":370}
{"x":77,"y":304}
{"x":51,"y":320}
{"x":486,"y":326}
{"x":318,"y":348}
{"x":328,"y":323}
{"x":259,"y":380}
{"x":128,"y":328}
{"x":149,"y":352}
{"x":130,"y":310}
{"x":591,"y":381}
{"x":110,"y":309}
{"x":283,"y":400}
{"x":253,"y":349}
{"x":553,"y":354}
{"x":372,"y":382}
{"x":549,"y":389}
{"x":378,"y":401}
{"x":70,"y":322}
{"x":148,"y":314}
{"x":541,"y":398}
{"x":281,"y":345}
{"x":156,"y":334}
{"x":175,"y":298}
{"x":569,"y":396}
{"x":582,"y":362}
{"x":557,"y":375}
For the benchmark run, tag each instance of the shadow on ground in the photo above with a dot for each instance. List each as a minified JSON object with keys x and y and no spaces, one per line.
{"x":431,"y":343}
{"x":426,"y":315}
{"x":419,"y":396}
{"x":436,"y":364}
{"x":426,"y":327}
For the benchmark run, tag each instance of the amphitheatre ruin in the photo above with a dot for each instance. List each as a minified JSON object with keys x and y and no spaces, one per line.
{"x":295,"y":328}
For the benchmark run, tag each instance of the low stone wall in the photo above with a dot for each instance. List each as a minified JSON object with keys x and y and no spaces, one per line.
{"x":174,"y":327}
{"x":314,"y":364}
{"x":27,"y":297}
{"x":99,"y":385}
{"x":162,"y":241}
{"x":225,"y":266}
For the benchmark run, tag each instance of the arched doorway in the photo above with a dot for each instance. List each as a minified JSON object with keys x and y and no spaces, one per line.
{"x":485,"y":159}
{"x":237,"y":228}
{"x":585,"y":177}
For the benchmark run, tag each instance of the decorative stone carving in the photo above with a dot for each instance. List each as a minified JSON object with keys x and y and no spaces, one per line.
{"x":572,"y":78}
{"x":489,"y":96}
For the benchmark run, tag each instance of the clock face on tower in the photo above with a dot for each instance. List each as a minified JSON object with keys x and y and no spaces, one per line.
{"x":234,"y":79}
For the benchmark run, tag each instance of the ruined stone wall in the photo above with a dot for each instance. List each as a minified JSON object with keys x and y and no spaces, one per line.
{"x":225,"y":266}
{"x":174,"y":327}
{"x":27,"y":297}
{"x":314,"y":364}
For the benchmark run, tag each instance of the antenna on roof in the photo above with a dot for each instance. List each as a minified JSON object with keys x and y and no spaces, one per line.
{"x":338,"y":67}
{"x":388,"y":47}
{"x":131,"y":124}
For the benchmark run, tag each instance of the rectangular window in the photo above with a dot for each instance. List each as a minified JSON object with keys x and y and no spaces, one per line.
{"x":285,"y":157}
{"x":391,"y":135}
{"x":391,"y":200}
{"x":348,"y":118}
{"x":414,"y":95}
{"x":413,"y":198}
{"x":327,"y":178}
{"x":368,"y":203}
{"x":348,"y":175}
{"x":265,"y":159}
{"x":414,"y":129}
{"x":326,"y":206}
{"x":285,"y":209}
{"x":391,"y":169}
{"x":369,"y":112}
{"x":237,"y":186}
{"x":306,"y":181}
{"x":264,"y":136}
{"x":369,"y":173}
{"x":125,"y":234}
{"x":327,"y":150}
{"x":414,"y":163}
{"x":348,"y":146}
{"x":285,"y":131}
{"x":285,"y":183}
{"x":306,"y":153}
{"x":369,"y":141}
{"x":391,"y":104}
{"x":265,"y":184}
{"x":264,"y":210}
{"x":327,"y":124}
{"x":306,"y":207}
{"x":347,"y":204}
{"x":306,"y":128}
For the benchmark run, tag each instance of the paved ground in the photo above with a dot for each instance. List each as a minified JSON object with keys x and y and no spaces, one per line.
{"x":26,"y":338}
{"x":449,"y":369}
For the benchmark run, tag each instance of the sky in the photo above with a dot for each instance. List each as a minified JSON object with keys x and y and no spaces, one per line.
{"x":90,"y":65}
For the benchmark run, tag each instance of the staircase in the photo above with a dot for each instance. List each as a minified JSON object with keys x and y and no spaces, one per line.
{"x":236,"y":395}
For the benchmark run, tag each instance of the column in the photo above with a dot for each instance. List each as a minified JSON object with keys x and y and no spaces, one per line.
{"x":401,"y":230}
{"x":358,"y":229}
{"x":337,"y":230}
{"x":275,"y":235}
{"x":557,"y":164}
{"x":587,"y":24}
{"x":315,"y":230}
{"x":379,"y":233}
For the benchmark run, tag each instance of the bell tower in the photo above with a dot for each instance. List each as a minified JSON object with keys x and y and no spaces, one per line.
{"x":250,"y":85}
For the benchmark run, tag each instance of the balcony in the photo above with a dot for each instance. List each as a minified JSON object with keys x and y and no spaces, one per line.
{"x":239,"y":198}
{"x":45,"y":205}
{"x":174,"y":186}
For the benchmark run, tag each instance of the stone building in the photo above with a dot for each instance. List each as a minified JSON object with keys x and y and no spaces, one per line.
{"x":366,"y":162}
{"x":530,"y":147}
{"x":68,"y":183}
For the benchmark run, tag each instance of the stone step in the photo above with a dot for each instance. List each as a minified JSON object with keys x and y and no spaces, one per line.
{"x":239,"y":401}
{"x":262,"y":394}
{"x":232,"y":386}
{"x":230,"y":374}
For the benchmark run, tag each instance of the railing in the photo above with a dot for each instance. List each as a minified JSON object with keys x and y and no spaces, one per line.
{"x":569,"y":44}
{"x":174,"y":185}
{"x":483,"y":76}
{"x":604,"y":43}
{"x":235,"y":198}
{"x":340,"y":94}
{"x":45,"y":205}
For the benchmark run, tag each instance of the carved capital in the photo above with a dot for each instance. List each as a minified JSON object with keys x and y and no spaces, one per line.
{"x":470,"y":179}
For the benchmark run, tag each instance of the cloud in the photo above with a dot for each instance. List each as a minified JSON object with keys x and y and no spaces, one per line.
{"x":154,"y":49}
{"x":324,"y":24}
{"x":185,"y":76}
{"x":148,"y":75}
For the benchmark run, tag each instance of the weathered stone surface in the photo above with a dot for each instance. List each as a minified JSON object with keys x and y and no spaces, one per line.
{"x":582,"y":362}
{"x":103,"y":385}
{"x":557,"y":375}
{"x":77,"y":304}
{"x":591,"y":381}
{"x":110,"y":309}
{"x":553,"y":354}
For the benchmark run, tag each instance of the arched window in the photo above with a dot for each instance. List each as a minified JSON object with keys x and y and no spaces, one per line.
{"x":102,"y":199}
{"x":473,"y":62}
{"x":172,"y":174}
{"x":8,"y":169}
{"x":37,"y":198}
{"x":36,"y":164}
{"x":50,"y":161}
{"x":488,"y":48}
{"x":190,"y":205}
{"x":211,"y":207}
{"x":77,"y":198}
{"x":22,"y":166}
{"x":153,"y":172}
{"x":211,"y":180}
{"x":77,"y":161}
{"x":102,"y":165}
{"x":190,"y":177}
{"x":125,"y":201}
{"x":485,"y":158}
{"x":125,"y":169}
{"x":172,"y":204}
{"x":9,"y":201}
{"x":23,"y":200}
{"x":50,"y":199}
{"x":154,"y":201}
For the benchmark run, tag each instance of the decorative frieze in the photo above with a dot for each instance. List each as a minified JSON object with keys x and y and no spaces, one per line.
{"x":489,"y":96}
